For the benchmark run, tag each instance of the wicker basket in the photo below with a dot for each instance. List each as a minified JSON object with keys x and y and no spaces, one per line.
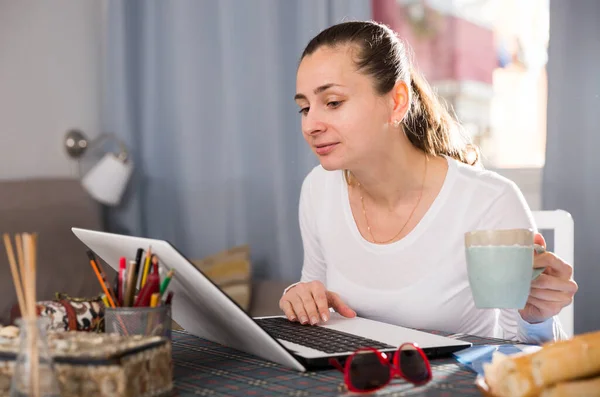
{"x":101,"y":365}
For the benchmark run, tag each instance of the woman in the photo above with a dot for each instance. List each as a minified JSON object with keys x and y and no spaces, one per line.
{"x":383,"y":217}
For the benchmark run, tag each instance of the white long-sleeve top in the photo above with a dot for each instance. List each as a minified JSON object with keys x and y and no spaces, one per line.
{"x":421,"y":280}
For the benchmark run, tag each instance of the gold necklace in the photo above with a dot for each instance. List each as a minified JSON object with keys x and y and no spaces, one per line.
{"x":409,"y":216}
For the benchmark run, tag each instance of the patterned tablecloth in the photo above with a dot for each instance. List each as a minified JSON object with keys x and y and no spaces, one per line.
{"x":203,"y":368}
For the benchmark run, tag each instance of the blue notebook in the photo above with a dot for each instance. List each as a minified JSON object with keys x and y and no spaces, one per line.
{"x":475,"y":356}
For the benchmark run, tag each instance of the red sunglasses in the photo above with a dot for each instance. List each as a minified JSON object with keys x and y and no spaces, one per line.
{"x":368,"y":369}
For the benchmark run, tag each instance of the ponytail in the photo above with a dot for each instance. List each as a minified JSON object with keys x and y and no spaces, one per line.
{"x":430,"y":127}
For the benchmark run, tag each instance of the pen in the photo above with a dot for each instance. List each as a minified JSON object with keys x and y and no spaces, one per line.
{"x":169,"y":298}
{"x":111,"y":294}
{"x":154,"y":299}
{"x":138,"y":262}
{"x":152,"y":286}
{"x":116,"y":288}
{"x":146,"y":267}
{"x":101,"y":280}
{"x":122,"y":274}
{"x":166,"y":281}
{"x":131,"y":279}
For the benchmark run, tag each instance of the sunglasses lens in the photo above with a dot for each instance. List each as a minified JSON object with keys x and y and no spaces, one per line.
{"x":413,"y":365}
{"x":367,"y":372}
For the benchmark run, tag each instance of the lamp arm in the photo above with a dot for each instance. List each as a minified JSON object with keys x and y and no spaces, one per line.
{"x":123,"y":153}
{"x":77,"y":143}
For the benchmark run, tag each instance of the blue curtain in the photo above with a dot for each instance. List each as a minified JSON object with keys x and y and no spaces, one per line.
{"x":570,"y":179}
{"x":202,"y":92}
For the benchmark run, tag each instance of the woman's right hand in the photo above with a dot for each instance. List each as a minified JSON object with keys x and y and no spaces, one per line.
{"x":307,"y":302}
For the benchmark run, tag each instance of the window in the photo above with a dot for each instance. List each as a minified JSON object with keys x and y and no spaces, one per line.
{"x":487,"y":59}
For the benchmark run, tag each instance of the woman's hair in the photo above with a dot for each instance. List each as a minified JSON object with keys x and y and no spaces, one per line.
{"x":383,"y":56}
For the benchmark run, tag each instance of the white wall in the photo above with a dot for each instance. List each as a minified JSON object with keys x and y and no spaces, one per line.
{"x":50,"y":54}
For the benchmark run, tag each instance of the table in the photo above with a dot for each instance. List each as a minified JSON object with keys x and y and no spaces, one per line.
{"x":204,"y":368}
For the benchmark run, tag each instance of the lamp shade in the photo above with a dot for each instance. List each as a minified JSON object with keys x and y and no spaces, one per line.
{"x":107,"y":180}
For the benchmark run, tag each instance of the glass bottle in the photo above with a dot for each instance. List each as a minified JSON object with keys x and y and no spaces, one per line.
{"x":34,"y":374}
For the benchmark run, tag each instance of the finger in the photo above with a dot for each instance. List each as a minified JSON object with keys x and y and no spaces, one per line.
{"x":539,"y":240}
{"x":551,"y":296}
{"x":310,"y":306}
{"x":321,"y":301}
{"x":288,"y":309}
{"x":298,"y":306}
{"x":545,"y":308}
{"x":338,"y":305}
{"x":546,"y":281}
{"x":554,"y":265}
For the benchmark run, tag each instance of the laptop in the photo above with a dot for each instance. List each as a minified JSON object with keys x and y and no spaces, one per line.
{"x":204,"y":310}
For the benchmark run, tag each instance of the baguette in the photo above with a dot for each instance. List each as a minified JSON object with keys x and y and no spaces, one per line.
{"x":578,"y":388}
{"x":509,"y":376}
{"x":527,"y":375}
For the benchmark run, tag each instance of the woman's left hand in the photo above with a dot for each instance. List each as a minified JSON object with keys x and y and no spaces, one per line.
{"x":552,"y":290}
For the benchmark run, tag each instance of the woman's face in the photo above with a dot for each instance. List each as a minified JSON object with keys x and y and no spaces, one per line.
{"x":344,"y":120}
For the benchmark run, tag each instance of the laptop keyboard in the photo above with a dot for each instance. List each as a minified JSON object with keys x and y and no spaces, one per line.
{"x":318,"y":338}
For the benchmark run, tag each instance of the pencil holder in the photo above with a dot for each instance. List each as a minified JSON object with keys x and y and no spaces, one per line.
{"x":148,"y":321}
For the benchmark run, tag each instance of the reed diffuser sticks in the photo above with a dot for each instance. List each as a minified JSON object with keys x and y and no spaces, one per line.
{"x":24,"y":278}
